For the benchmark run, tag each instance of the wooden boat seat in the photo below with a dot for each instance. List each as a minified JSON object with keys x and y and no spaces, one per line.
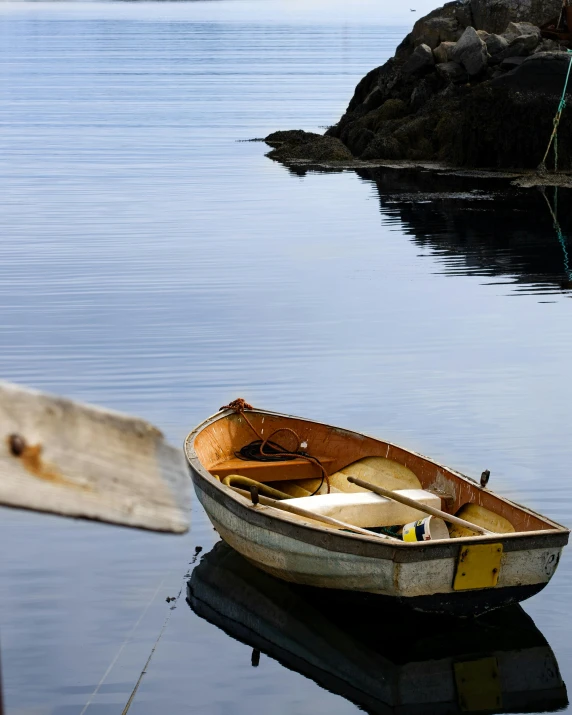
{"x":292,"y":469}
{"x":368,"y":509}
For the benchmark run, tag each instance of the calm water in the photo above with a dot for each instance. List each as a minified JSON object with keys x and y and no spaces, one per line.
{"x":153,"y":263}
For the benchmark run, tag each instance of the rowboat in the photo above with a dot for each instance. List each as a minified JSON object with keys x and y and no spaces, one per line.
{"x":301,"y":500}
{"x":400,"y":662}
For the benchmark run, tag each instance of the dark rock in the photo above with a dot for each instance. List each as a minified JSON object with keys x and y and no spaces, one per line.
{"x":495,"y":45}
{"x":423,"y":92}
{"x":452,"y":72}
{"x":297,"y":144}
{"x":440,"y":25}
{"x":463,"y":14}
{"x":384,"y":148}
{"x":392,"y":109}
{"x":520,"y":47}
{"x":471,"y":52}
{"x":444,"y":52}
{"x":290,"y":136}
{"x":486,"y":100}
{"x":511,"y":63}
{"x":494,"y":15}
{"x":543,"y":74}
{"x":421,"y":60}
{"x":357,"y":138}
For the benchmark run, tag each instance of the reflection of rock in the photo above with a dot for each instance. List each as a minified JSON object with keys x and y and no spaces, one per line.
{"x":402,"y":662}
{"x":456,"y":112}
{"x":452,"y":216}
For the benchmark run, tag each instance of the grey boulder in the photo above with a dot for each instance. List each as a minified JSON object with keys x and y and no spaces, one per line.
{"x":471,"y":52}
{"x":520,"y":29}
{"x":495,"y":45}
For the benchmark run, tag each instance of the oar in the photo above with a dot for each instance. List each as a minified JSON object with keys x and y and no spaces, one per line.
{"x":284,"y":506}
{"x":83,"y":461}
{"x":419,"y":506}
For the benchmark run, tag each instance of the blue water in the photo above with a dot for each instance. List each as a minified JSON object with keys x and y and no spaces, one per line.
{"x":152,"y":262}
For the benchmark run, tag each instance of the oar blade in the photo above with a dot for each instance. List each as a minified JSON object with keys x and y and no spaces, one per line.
{"x":78,"y":460}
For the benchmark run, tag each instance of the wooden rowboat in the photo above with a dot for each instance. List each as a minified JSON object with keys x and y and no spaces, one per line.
{"x":386,"y":661}
{"x":464,"y":573}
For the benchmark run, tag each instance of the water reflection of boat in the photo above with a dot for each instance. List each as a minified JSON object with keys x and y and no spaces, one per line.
{"x":380,"y":656}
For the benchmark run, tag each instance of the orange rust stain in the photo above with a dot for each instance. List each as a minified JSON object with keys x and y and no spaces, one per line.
{"x":31,"y":458}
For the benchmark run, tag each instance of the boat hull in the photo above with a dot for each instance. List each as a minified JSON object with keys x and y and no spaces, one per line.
{"x":424,"y":584}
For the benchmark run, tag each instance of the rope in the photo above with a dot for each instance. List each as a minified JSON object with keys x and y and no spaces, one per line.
{"x":127,"y":640}
{"x":559,"y":233}
{"x":556,"y":122}
{"x":276,"y":453}
{"x":144,"y":671}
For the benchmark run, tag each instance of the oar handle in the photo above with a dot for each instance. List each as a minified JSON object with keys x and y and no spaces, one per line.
{"x":418,"y":505}
{"x":284,"y":506}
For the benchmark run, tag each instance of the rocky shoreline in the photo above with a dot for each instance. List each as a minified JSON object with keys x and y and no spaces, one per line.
{"x":475,"y":85}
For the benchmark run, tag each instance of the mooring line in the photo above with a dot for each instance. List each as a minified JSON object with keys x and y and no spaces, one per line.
{"x":127,"y":639}
{"x":559,"y":233}
{"x":142,"y":673}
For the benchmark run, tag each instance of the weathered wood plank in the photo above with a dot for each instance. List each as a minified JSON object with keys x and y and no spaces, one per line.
{"x":79,"y":460}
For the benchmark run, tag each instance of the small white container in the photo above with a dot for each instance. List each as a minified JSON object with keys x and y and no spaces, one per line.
{"x":429,"y":529}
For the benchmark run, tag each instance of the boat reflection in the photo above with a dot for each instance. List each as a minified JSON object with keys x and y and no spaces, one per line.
{"x":383,"y":658}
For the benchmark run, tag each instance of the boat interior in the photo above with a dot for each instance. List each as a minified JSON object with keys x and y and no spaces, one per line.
{"x":341,"y":454}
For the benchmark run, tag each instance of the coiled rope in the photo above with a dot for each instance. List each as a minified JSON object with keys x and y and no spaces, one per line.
{"x":556,"y":122}
{"x":268,"y":450}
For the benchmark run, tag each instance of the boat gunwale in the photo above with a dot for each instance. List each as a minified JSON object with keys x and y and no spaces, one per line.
{"x":427,"y":550}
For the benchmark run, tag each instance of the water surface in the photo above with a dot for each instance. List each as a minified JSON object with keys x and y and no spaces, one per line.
{"x":153,"y":263}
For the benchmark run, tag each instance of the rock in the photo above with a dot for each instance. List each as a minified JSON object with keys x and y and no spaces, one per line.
{"x":383,"y":147}
{"x":452,"y":72}
{"x":463,"y":14}
{"x":511,"y":63}
{"x":297,"y":144}
{"x":358,"y":138}
{"x":496,"y":44}
{"x":543,"y":74}
{"x":494,"y":15}
{"x":440,"y":25}
{"x":421,"y":95}
{"x":521,"y":46}
{"x":471,"y":52}
{"x":547,"y":46}
{"x":421,"y":60}
{"x":391,"y":109}
{"x":520,"y":29}
{"x":444,"y":52}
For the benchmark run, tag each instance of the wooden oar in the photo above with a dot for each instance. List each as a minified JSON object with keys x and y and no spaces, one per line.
{"x":284,"y":506}
{"x":82,"y":461}
{"x":418,"y":505}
